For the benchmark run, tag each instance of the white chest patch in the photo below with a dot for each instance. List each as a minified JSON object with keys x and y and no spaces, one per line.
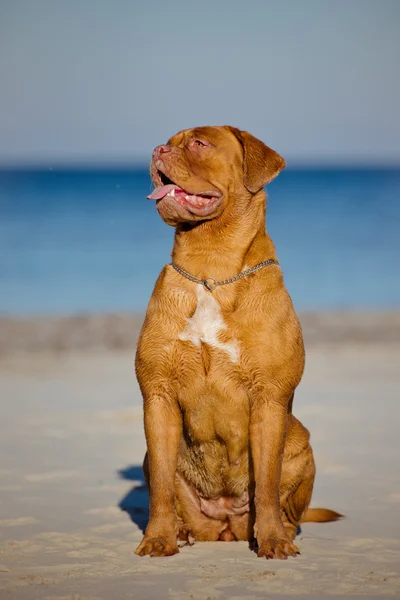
{"x":205,"y":325}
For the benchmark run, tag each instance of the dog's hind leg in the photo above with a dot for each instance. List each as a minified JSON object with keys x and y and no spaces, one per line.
{"x":192,"y":522}
{"x":296,"y":499}
{"x":242,"y":526}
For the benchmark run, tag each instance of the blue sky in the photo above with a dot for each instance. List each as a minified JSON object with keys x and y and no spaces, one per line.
{"x":86,"y":81}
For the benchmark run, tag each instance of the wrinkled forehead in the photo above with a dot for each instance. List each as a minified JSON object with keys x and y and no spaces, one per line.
{"x":220,"y":136}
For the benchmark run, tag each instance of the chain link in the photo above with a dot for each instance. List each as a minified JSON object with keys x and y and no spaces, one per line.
{"x":210,"y":283}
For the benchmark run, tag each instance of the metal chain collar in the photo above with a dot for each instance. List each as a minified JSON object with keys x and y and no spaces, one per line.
{"x":210,"y":283}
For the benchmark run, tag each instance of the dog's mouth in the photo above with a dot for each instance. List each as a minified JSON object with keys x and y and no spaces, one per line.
{"x":200,"y":204}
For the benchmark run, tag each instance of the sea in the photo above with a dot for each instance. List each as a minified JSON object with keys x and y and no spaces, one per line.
{"x":87,"y":240}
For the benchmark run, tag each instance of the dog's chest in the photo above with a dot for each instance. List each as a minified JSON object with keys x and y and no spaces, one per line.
{"x":207,"y":326}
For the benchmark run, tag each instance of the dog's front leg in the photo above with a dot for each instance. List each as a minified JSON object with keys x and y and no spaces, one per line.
{"x":268,"y":426}
{"x":163,"y":427}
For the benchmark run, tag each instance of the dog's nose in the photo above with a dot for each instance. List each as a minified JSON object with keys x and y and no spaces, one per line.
{"x":160,"y":150}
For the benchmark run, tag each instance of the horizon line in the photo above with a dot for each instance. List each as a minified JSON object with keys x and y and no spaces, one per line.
{"x":297,"y":165}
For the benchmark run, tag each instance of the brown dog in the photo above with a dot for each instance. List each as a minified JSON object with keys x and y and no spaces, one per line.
{"x":218,"y":360}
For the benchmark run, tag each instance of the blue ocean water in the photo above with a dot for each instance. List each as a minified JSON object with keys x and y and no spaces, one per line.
{"x":79,"y":241}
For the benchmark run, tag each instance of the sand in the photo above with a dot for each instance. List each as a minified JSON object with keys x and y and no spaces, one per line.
{"x":72,"y":501}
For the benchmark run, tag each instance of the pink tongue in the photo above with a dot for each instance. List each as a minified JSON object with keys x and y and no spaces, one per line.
{"x":162,"y":191}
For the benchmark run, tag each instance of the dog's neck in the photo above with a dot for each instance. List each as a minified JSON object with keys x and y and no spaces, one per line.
{"x":225,"y":246}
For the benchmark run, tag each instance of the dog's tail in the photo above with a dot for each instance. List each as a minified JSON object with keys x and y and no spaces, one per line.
{"x":320,"y":515}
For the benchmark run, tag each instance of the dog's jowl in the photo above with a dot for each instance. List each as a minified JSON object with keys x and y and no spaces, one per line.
{"x":220,"y":356}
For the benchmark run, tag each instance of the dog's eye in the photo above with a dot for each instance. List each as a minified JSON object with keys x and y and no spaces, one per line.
{"x":201,"y":143}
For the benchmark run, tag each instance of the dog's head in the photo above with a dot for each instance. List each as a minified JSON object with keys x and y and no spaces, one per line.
{"x":200,"y":171}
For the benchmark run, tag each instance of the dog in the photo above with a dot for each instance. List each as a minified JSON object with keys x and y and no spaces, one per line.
{"x":219,"y":358}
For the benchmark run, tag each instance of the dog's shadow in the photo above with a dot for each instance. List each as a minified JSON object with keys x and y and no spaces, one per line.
{"x":136,"y":501}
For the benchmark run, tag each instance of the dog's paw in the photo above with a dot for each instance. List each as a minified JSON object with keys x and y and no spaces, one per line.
{"x":276,"y":547}
{"x":184,"y":536}
{"x":157,"y":546}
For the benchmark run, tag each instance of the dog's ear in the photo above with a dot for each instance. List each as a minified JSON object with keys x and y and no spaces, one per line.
{"x":260,"y":163}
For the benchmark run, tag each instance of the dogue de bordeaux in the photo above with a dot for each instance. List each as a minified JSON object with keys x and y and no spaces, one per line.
{"x":219,"y":358}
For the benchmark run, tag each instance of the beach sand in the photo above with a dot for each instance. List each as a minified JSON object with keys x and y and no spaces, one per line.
{"x":72,"y":500}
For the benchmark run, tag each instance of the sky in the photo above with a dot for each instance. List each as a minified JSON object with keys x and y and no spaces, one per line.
{"x":96,"y":81}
